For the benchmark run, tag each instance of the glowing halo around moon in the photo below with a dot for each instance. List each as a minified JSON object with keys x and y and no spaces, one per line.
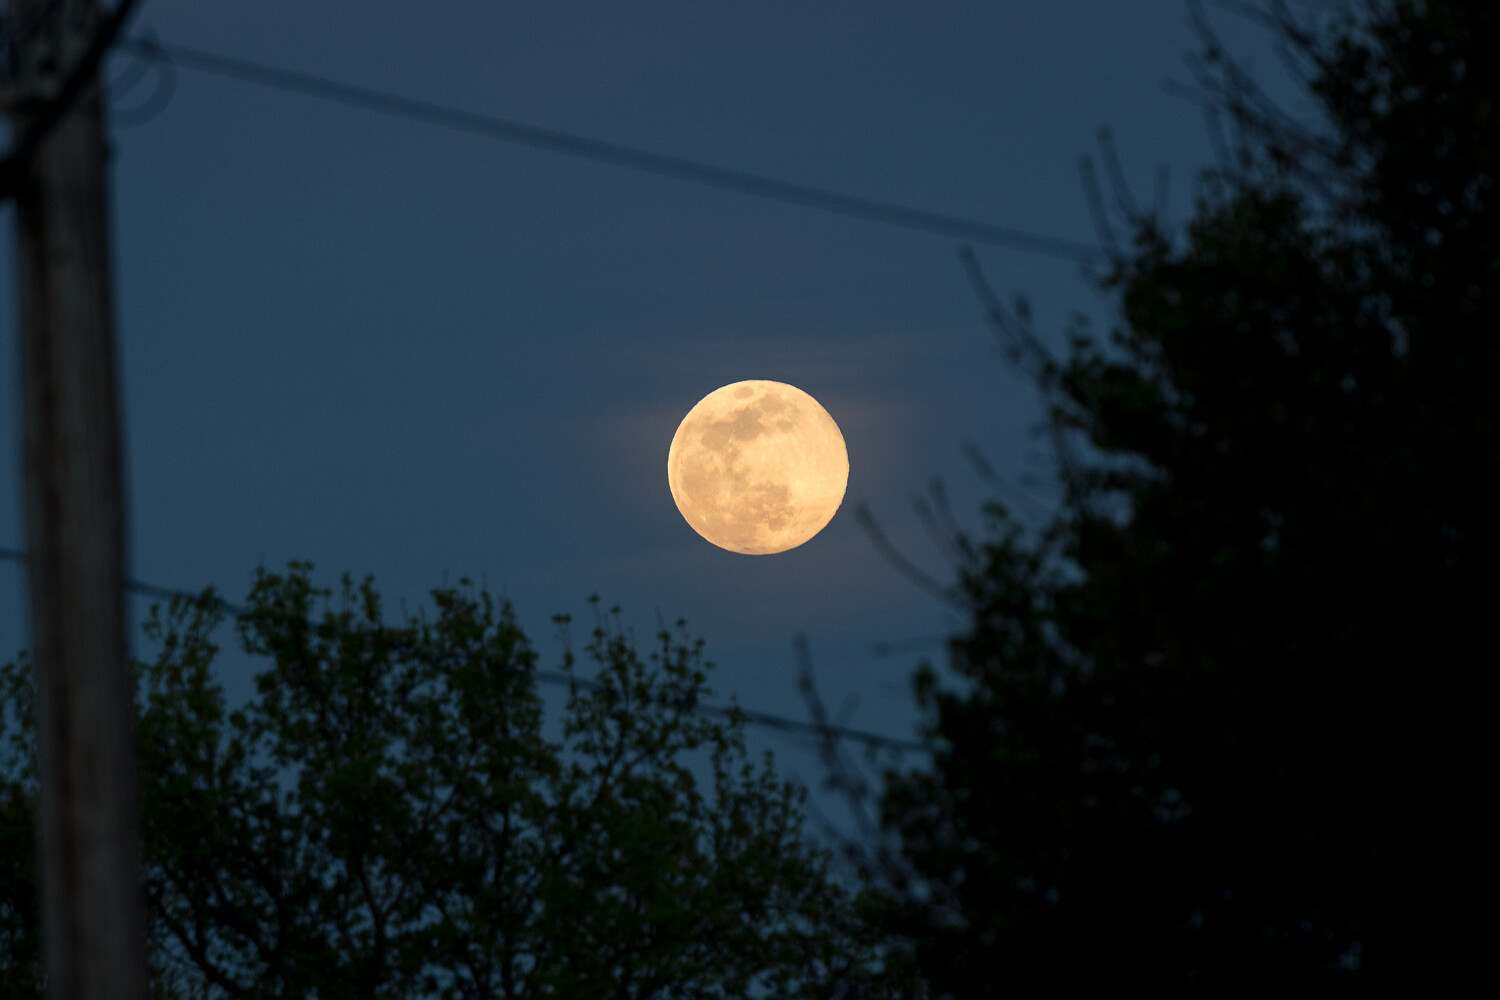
{"x":758,"y":467}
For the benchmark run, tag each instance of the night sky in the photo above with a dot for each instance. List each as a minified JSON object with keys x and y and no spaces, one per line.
{"x":396,"y":349}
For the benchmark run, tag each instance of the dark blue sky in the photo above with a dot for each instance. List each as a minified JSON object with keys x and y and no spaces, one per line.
{"x":395,"y":349}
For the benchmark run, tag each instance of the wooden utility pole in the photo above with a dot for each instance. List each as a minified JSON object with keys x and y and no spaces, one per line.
{"x":89,"y":853}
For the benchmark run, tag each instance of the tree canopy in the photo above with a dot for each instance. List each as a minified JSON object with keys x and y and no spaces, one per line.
{"x":385,"y":818}
{"x":1219,"y":720}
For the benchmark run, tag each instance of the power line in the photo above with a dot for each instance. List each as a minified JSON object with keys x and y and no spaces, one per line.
{"x":765,"y":719}
{"x":676,"y":167}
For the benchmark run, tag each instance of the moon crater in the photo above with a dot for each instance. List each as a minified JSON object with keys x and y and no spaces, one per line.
{"x":758,"y":467}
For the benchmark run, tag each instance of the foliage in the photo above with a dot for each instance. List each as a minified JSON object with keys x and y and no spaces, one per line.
{"x":1219,"y":720}
{"x":20,"y":969}
{"x":386,"y":819}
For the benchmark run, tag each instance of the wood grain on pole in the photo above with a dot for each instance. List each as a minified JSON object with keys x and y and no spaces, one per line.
{"x":93,"y":912}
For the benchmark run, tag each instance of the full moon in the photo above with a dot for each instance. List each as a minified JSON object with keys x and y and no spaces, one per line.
{"x":758,"y":467}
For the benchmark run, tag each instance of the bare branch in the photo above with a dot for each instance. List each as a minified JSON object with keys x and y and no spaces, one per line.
{"x":1013,"y":329}
{"x":902,"y":564}
{"x":1095,"y":198}
{"x":1036,"y":507}
{"x":1116,"y":174}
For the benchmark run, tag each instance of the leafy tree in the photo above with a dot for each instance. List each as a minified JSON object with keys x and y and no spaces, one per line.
{"x":385,"y":818}
{"x":1219,"y":720}
{"x":20,"y":920}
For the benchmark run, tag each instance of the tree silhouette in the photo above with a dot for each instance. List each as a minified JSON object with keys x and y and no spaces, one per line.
{"x":386,"y":819}
{"x":1219,"y":721}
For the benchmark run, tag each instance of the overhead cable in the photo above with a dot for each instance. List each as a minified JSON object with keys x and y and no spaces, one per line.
{"x":617,"y":154}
